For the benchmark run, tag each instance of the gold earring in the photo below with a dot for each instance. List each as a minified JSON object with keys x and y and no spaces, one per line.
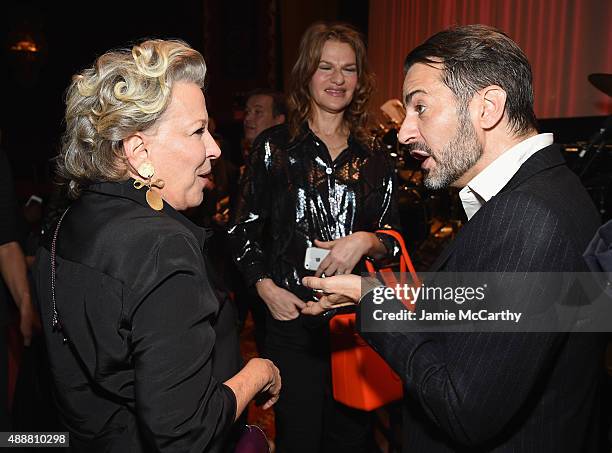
{"x":154,"y":199}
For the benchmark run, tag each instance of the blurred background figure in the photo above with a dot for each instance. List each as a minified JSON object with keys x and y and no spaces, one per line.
{"x":14,"y":278}
{"x":264,"y":108}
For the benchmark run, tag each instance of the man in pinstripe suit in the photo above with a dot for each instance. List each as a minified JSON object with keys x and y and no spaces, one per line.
{"x":469,"y":103}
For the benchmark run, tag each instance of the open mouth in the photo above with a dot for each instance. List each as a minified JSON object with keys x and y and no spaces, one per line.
{"x":335,"y":92}
{"x":419,"y":154}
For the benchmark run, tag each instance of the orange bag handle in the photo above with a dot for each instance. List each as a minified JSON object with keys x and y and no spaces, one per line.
{"x":405,"y":265}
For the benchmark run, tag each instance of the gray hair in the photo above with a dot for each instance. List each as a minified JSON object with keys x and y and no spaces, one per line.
{"x":124,"y":92}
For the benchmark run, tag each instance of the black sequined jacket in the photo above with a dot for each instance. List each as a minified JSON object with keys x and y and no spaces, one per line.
{"x":293,"y":193}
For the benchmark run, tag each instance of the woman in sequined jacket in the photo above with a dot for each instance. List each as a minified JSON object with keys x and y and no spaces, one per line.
{"x":314,"y":182}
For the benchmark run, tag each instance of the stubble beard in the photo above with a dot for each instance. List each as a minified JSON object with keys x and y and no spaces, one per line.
{"x":459,"y":155}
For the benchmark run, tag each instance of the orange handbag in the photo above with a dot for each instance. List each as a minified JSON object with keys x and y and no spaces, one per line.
{"x":360,"y":377}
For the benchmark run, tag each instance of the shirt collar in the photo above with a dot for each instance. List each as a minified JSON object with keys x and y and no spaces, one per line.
{"x":126,"y":189}
{"x":490,"y":181}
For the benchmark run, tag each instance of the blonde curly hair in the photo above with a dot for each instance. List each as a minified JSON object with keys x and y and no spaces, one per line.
{"x":124,"y":92}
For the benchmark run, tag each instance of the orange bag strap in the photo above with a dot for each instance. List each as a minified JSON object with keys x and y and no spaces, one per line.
{"x":405,"y":265}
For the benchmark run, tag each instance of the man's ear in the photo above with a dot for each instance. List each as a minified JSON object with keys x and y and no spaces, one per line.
{"x":279,"y":119}
{"x":135,"y":150}
{"x":492,"y":106}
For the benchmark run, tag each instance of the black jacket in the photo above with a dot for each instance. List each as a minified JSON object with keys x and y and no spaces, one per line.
{"x":508,"y":392}
{"x":136,"y":307}
{"x":293,"y":193}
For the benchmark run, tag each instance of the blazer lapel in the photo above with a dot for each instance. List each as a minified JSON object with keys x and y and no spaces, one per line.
{"x":544,"y":159}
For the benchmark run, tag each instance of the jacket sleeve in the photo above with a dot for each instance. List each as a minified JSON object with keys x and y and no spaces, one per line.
{"x":472,"y":384}
{"x":180,"y":405}
{"x":250,"y":213}
{"x":387,"y":217}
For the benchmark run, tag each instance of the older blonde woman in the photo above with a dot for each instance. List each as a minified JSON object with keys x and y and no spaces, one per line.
{"x":125,"y":301}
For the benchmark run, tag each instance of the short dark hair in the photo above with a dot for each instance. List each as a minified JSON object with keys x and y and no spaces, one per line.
{"x":476,"y":56}
{"x":279,"y":101}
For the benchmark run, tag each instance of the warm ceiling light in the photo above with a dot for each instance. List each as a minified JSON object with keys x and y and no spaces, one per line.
{"x":24,"y":46}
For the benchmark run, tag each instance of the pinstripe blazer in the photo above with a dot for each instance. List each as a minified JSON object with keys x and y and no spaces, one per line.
{"x":508,"y":392}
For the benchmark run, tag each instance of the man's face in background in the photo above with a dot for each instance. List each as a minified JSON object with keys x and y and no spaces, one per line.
{"x":259,"y":116}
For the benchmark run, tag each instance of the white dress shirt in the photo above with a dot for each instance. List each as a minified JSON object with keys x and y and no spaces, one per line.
{"x":486,"y":184}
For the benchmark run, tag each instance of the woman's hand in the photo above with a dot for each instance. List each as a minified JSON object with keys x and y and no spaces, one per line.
{"x":335,"y":292}
{"x":345,"y":253}
{"x":283,"y":304}
{"x":258,"y":377}
{"x":272,"y":389}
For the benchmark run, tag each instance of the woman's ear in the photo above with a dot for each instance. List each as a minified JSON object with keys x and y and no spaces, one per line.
{"x":135,"y":151}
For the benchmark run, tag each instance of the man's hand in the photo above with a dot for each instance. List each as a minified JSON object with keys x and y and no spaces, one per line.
{"x":283,"y":304}
{"x":335,"y":292}
{"x":345,"y":253}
